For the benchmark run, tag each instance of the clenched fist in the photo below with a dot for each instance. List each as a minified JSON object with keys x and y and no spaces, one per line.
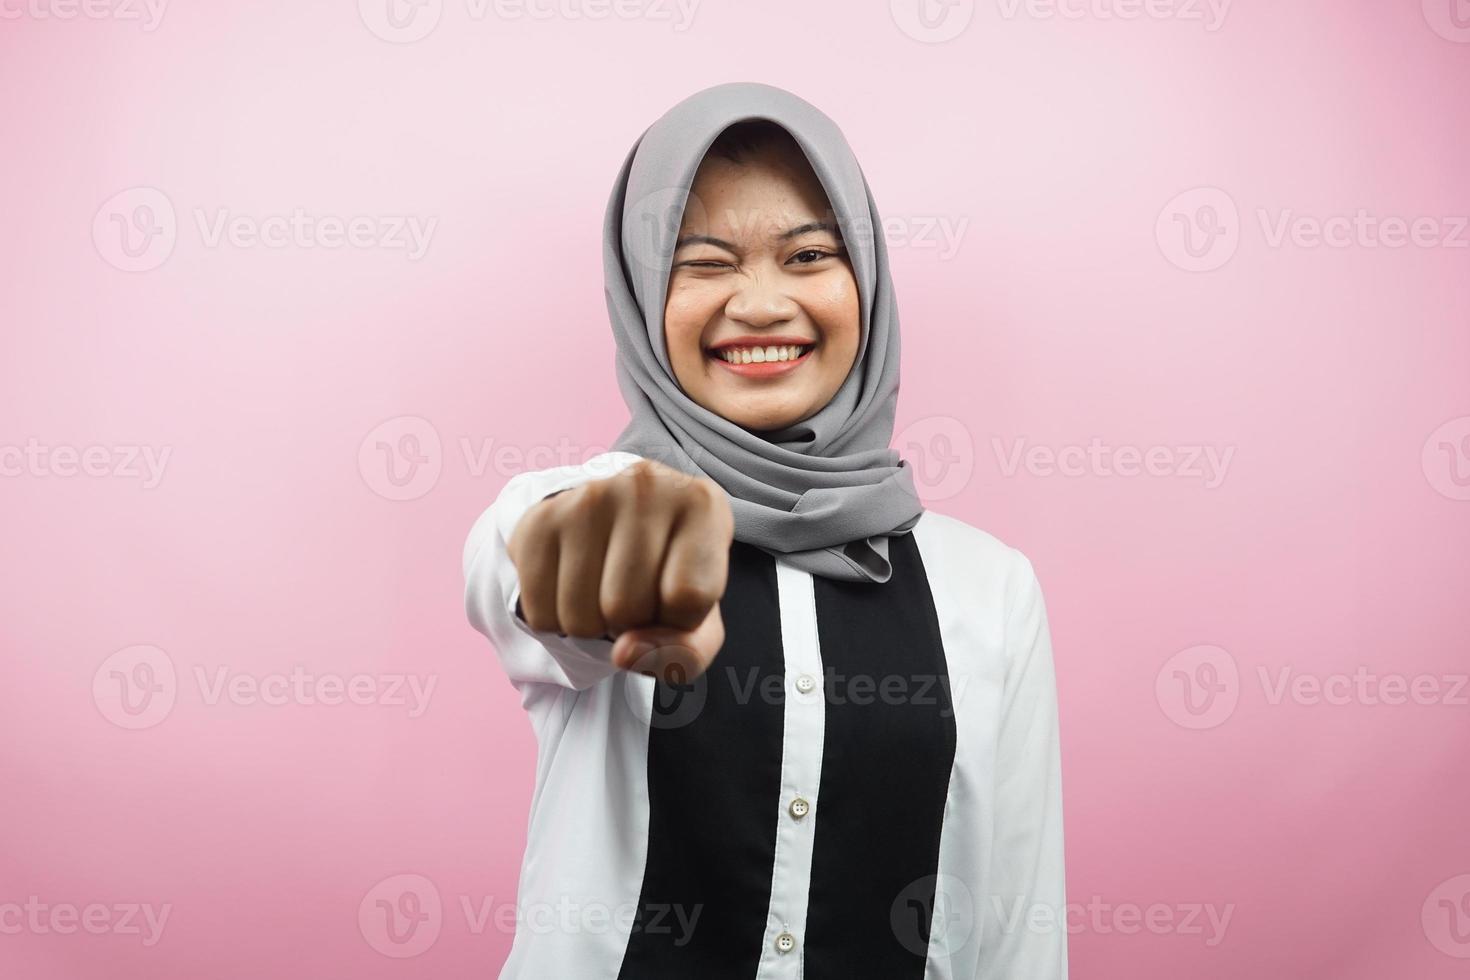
{"x":642,"y":556}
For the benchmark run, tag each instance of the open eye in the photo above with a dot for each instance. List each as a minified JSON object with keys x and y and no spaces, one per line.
{"x":810,"y":256}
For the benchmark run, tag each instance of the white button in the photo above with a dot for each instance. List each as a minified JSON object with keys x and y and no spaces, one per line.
{"x":785,"y":942}
{"x":806,"y":683}
{"x":800,"y":808}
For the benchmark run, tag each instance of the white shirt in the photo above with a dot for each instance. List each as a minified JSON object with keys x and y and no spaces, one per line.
{"x":866,"y":782}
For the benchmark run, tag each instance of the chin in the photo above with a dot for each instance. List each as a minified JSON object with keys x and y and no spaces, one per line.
{"x":759,"y":418}
{"x":766,"y":423}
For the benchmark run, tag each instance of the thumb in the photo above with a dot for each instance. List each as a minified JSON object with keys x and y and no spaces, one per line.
{"x":671,"y":655}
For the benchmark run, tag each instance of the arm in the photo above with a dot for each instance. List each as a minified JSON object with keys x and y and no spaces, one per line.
{"x":493,"y":589}
{"x":1027,"y":865}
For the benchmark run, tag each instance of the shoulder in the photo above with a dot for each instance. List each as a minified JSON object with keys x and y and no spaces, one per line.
{"x":980,"y":579}
{"x":985,"y":590}
{"x":971,"y":553}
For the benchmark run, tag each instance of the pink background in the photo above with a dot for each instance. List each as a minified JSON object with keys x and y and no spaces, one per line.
{"x":1334,"y":544}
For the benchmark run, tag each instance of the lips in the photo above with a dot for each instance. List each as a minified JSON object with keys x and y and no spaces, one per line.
{"x":762,"y":340}
{"x":773,"y":353}
{"x":763,"y":361}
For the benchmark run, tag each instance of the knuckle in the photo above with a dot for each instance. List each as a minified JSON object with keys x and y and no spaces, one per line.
{"x":589,"y":496}
{"x":653,"y":467}
{"x":586,"y":506}
{"x":641,"y":487}
{"x":645,"y":472}
{"x":531,"y":526}
{"x":697,"y":494}
{"x":689,"y":599}
{"x":710,"y":497}
{"x":622,"y":609}
{"x":712,"y":489}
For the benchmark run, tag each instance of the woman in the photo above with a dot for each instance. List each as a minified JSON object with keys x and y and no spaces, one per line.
{"x":790,"y":723}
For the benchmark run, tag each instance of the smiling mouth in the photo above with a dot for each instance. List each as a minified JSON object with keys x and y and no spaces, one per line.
{"x":761,"y":362}
{"x":776,"y":354}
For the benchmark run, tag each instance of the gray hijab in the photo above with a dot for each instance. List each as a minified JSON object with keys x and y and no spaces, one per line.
{"x":824,"y":493}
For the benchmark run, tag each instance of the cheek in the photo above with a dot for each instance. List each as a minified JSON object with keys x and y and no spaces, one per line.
{"x":683,"y":323}
{"x":834,"y":305}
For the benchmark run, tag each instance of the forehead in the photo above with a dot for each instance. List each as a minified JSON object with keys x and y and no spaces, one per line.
{"x":771,"y":192}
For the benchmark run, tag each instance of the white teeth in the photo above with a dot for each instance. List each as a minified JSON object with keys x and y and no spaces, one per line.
{"x":760,"y":355}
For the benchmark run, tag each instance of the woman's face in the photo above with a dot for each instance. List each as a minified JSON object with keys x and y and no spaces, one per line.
{"x":761,"y":322}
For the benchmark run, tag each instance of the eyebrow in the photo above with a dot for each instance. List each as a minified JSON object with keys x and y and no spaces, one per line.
{"x":786,"y":235}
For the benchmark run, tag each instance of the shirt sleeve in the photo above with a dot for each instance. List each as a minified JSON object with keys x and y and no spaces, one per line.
{"x":1026,"y":935}
{"x":493,"y":589}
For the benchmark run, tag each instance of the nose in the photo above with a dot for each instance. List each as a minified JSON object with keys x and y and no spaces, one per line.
{"x":759,"y":301}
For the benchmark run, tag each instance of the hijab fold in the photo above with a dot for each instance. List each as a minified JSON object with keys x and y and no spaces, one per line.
{"x":824,"y":493}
